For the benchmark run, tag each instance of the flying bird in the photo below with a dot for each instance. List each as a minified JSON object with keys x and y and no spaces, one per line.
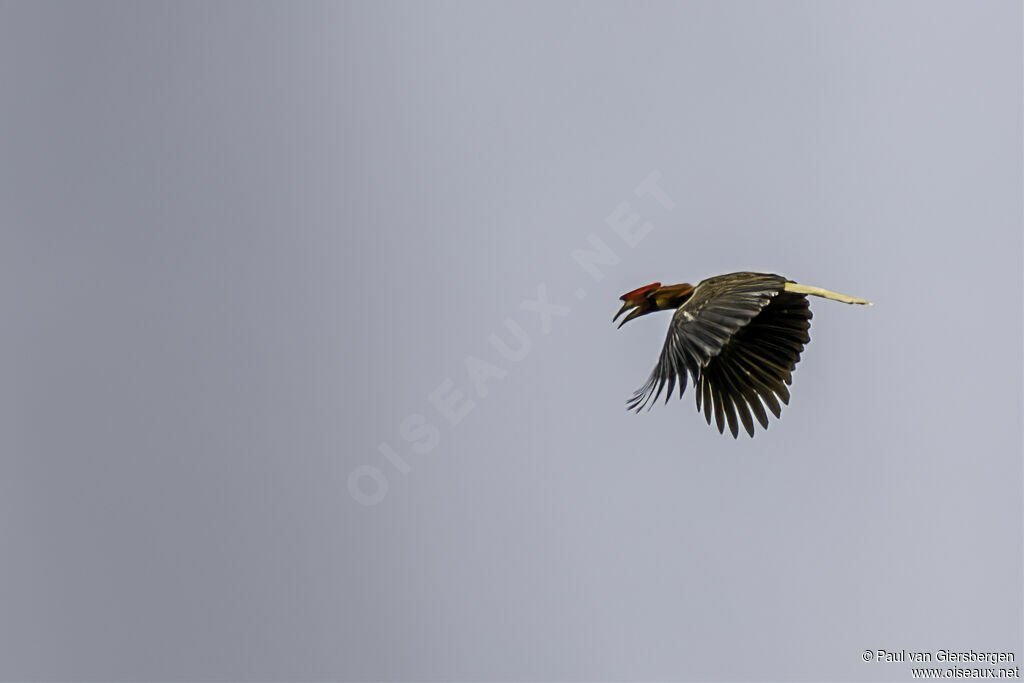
{"x":738,"y":337}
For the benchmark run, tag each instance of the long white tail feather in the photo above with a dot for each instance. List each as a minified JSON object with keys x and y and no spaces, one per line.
{"x":824,"y":293}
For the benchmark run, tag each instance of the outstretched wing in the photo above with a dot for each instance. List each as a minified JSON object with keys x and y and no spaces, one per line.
{"x":756,"y":365}
{"x":738,"y":338}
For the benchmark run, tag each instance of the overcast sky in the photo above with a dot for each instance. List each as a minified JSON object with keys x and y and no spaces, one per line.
{"x":308,"y":364}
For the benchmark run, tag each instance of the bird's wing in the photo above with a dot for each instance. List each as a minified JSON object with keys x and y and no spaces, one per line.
{"x":756,"y":365}
{"x":702,"y":327}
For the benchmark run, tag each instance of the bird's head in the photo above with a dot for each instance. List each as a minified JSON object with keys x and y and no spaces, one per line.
{"x":652,"y":298}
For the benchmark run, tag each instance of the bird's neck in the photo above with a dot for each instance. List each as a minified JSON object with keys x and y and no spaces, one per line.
{"x":672,"y":297}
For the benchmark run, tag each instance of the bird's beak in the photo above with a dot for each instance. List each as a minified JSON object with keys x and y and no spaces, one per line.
{"x":625,"y":307}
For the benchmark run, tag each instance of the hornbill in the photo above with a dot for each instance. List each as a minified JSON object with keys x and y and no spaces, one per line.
{"x":737,"y":336}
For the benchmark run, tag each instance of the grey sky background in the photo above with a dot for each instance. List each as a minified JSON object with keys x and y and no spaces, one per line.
{"x":243,"y":242}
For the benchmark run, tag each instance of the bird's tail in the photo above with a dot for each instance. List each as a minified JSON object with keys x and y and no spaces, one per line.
{"x":825,"y":294}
